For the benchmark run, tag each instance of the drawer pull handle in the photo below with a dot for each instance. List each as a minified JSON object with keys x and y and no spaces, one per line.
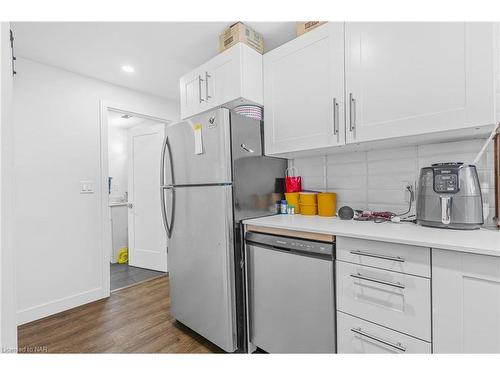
{"x":386,"y":257}
{"x":397,"y":346}
{"x":361,"y":277}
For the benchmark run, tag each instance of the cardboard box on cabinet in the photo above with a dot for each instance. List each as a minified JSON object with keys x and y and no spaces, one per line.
{"x":241,"y":33}
{"x":304,"y":27}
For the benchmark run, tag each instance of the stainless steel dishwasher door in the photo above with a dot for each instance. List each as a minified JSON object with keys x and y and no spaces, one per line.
{"x":291,"y":301}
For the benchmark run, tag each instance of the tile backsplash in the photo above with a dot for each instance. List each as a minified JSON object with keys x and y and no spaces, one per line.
{"x":375,"y":180}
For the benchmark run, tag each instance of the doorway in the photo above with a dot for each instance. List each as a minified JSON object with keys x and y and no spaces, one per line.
{"x":138,"y":239}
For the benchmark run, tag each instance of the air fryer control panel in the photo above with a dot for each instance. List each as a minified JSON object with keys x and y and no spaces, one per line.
{"x":446,"y":178}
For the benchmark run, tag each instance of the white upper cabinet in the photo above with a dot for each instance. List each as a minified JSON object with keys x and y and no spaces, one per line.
{"x":412,"y":78}
{"x":304,"y":92}
{"x":231,"y":78}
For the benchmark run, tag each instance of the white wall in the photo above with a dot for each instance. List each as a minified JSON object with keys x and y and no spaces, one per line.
{"x":56,"y":145}
{"x":8,"y":330}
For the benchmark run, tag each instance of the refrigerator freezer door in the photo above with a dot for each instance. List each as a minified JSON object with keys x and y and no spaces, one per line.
{"x":254,"y":175}
{"x":185,"y":165}
{"x":201,"y":263}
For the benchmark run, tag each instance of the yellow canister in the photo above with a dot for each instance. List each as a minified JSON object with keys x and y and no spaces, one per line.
{"x":308,"y":203}
{"x":308,"y":209}
{"x":327,"y":204}
{"x":293,"y":200}
{"x":308,"y":198}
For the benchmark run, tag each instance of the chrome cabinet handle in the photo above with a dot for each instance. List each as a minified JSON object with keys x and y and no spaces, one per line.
{"x":361,"y":277}
{"x":246,"y":148}
{"x":352,"y":113}
{"x":446,"y":210}
{"x":200,"y":80}
{"x":397,"y":346}
{"x":207,"y":76}
{"x":371,"y":255}
{"x":336,"y":117}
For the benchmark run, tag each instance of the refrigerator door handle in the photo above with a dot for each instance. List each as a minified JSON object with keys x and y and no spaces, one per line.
{"x":163,"y":187}
{"x":168,"y":226}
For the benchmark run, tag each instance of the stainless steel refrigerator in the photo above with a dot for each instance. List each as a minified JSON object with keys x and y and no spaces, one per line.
{"x":213,"y":175}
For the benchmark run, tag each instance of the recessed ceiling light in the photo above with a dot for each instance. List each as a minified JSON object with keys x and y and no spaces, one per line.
{"x":128,"y":69}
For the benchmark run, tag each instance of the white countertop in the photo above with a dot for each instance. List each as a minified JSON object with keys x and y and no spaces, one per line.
{"x":481,"y":241}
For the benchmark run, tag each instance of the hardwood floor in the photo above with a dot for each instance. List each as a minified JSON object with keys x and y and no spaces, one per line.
{"x":133,"y":320}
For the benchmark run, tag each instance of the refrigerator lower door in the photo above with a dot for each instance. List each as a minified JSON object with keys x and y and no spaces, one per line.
{"x":201,"y":263}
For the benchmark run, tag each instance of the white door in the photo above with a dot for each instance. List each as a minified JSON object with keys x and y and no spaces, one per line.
{"x":147,"y":238}
{"x":413,"y":78}
{"x":304,"y":92}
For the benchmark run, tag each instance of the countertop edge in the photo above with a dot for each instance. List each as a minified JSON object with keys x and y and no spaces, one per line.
{"x":435,"y":245}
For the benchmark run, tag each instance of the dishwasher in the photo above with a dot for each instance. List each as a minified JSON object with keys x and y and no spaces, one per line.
{"x":290,"y":294}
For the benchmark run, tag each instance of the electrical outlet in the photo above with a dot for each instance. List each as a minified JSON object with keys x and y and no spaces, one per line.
{"x":407,"y":194}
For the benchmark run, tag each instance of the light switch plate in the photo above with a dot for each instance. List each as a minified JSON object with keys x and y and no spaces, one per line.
{"x":86,"y":187}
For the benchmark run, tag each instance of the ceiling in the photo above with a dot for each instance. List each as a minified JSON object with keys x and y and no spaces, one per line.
{"x":160,"y":52}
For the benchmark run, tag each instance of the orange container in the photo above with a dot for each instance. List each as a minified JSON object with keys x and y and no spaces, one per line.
{"x":327,"y":204}
{"x":308,"y":209}
{"x":293,"y":200}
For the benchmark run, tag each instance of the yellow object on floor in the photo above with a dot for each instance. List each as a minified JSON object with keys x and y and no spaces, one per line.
{"x":327,"y":203}
{"x":123,"y":255}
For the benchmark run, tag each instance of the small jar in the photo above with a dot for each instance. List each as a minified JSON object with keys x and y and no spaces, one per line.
{"x":278,"y":207}
{"x":291,"y":210}
{"x":284,"y":207}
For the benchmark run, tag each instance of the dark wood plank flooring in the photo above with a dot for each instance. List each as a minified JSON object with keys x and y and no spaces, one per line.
{"x":123,"y":275}
{"x":133,"y":320}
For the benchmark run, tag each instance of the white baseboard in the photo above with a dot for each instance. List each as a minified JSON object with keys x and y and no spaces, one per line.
{"x":54,"y":307}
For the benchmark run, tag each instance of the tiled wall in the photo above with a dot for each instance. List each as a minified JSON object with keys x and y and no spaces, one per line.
{"x":374,"y":179}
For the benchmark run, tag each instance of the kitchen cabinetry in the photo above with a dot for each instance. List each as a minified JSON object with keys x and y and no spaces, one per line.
{"x":356,"y":335}
{"x":401,"y":80}
{"x":466,"y":302}
{"x":411,"y":78}
{"x":231,"y":78}
{"x":304,"y":92}
{"x":379,"y":305}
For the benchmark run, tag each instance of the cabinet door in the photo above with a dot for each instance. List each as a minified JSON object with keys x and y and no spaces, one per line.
{"x":222,"y":77}
{"x":302,"y":80}
{"x":414,"y":78}
{"x":193,"y":93}
{"x":466,"y":302}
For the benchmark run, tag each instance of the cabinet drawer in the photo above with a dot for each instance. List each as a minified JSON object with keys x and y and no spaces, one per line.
{"x":394,"y":300}
{"x":355,"y":335}
{"x":414,"y":260}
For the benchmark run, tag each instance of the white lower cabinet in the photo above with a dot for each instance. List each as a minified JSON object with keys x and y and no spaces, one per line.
{"x":356,"y":335}
{"x":396,"y":300}
{"x":466,"y":302}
